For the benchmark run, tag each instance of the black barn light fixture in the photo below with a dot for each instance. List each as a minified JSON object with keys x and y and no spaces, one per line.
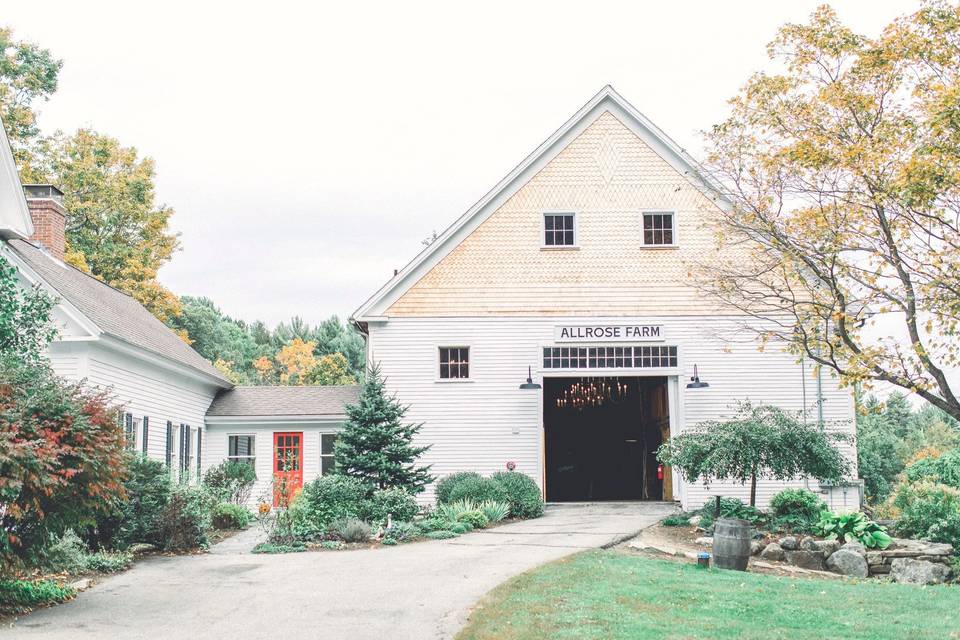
{"x":695,"y":382}
{"x":530,"y":384}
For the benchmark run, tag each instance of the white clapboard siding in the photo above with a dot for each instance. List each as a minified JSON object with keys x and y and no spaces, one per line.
{"x":482,"y":424}
{"x":144,"y":389}
{"x":216,"y":450}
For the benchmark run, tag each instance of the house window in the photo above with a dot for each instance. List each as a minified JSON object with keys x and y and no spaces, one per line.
{"x":454,"y":363}
{"x":558,"y":230}
{"x":129,"y":431}
{"x":242,"y":449}
{"x":658,"y":229}
{"x":327,"y":442}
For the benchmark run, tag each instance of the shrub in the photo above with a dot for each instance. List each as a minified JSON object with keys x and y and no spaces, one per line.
{"x":61,"y":457}
{"x":333,"y":545}
{"x":495,"y":511}
{"x":396,"y":502}
{"x":680,"y":520}
{"x":148,"y":488}
{"x":109,"y":561}
{"x":522,"y":493}
{"x":930,"y":511}
{"x":333,"y":497}
{"x":400,"y":532}
{"x":796,"y":510}
{"x":351,"y":530}
{"x":477,"y":490}
{"x":69,"y":554}
{"x":944,"y":469}
{"x":270,"y":547}
{"x":474,"y":518}
{"x":441,"y":534}
{"x":232,"y":481}
{"x":446,"y":484}
{"x":730,"y":508}
{"x":185,"y":519}
{"x":460,"y":527}
{"x":849,"y":527}
{"x":19,"y":595}
{"x":228,"y":515}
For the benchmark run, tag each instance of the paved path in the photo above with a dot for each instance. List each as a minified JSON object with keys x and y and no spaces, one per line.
{"x":419,"y":590}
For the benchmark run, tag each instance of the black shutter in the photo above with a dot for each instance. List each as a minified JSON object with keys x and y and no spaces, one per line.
{"x":199,"y":449}
{"x":146,"y":433}
{"x":169,"y":442}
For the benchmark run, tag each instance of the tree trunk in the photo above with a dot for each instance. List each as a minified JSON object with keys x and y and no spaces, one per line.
{"x":753,"y":490}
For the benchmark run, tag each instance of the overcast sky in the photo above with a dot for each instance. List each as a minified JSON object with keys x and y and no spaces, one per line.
{"x":308,"y":149}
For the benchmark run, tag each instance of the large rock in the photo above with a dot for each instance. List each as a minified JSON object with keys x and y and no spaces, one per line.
{"x":848,"y":563}
{"x":755,"y":547}
{"x":788,"y":543}
{"x":808,"y":544}
{"x":695,"y":521}
{"x":806,"y":559}
{"x":856,"y":547}
{"x":772,"y":551}
{"x":826,"y":546}
{"x":903,"y":547}
{"x":874,"y":558}
{"x":909,"y":571}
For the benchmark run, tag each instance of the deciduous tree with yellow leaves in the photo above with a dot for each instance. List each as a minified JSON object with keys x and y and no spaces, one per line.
{"x":843,"y":175}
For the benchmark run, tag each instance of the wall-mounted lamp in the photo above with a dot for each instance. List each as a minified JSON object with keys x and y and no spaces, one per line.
{"x":695,"y":382}
{"x":530,"y":384}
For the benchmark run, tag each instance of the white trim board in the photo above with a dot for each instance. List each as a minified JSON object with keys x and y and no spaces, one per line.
{"x":607,"y":100}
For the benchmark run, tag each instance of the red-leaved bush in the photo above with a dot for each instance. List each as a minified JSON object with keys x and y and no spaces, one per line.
{"x":61,"y":459}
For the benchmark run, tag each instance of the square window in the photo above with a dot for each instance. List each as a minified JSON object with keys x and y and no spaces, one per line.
{"x":454,"y":363}
{"x":658,"y":229}
{"x":241,"y":449}
{"x":558,"y":230}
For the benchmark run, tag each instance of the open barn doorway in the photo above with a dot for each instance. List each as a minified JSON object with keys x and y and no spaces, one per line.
{"x":601,"y":435}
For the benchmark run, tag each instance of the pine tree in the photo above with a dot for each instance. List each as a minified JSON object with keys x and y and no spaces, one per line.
{"x":376,"y":446}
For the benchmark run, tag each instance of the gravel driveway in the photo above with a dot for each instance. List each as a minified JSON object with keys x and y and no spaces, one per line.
{"x":418,"y":590}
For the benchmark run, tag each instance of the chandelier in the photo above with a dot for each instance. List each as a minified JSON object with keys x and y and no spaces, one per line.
{"x":593,"y":393}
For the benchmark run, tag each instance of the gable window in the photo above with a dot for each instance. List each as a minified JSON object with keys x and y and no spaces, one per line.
{"x":558,"y":230}
{"x":327,"y":442}
{"x":242,"y":449}
{"x":454,"y":363}
{"x":658,"y":229}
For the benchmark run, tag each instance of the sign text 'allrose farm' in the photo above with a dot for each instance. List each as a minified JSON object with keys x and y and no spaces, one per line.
{"x":608,"y":333}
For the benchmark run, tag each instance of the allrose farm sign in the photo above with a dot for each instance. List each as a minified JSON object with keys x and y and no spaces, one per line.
{"x":608,"y":333}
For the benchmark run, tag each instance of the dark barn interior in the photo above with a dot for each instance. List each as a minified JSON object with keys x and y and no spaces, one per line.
{"x":601,"y":436}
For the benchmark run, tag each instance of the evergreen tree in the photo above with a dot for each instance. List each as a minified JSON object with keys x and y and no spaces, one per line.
{"x":376,"y":446}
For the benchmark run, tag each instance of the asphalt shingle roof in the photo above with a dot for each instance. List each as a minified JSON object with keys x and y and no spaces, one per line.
{"x":113,"y":311}
{"x":284,"y":401}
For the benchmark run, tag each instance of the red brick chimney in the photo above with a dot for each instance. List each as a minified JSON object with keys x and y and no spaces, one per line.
{"x":45,"y":202}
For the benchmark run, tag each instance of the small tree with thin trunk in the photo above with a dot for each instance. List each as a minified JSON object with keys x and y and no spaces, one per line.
{"x":761,"y":441}
{"x":376,"y":446}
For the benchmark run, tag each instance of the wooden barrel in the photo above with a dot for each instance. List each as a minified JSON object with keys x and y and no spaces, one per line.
{"x":731,"y":543}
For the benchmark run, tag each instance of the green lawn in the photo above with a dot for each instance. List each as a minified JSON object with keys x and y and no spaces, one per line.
{"x":611,"y":594}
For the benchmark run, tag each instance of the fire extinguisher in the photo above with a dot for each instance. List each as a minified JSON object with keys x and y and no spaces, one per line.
{"x":659,"y":472}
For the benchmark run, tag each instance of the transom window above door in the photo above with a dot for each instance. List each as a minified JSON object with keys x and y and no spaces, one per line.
{"x":454,"y":363}
{"x":658,"y":230}
{"x":559,"y":230}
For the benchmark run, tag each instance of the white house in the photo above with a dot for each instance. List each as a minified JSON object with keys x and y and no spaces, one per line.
{"x":576,"y":267}
{"x":176,"y":406}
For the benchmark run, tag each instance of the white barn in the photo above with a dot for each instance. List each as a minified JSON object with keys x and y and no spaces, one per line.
{"x":576,"y":268}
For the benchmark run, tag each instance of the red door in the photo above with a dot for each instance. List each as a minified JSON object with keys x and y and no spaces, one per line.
{"x":287,"y":467}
